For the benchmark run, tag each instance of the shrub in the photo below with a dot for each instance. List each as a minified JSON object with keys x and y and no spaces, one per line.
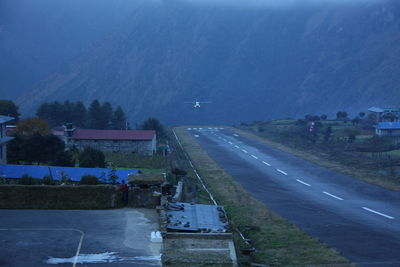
{"x":91,"y":158}
{"x":47,"y":180}
{"x":27,"y":180}
{"x":89,"y":180}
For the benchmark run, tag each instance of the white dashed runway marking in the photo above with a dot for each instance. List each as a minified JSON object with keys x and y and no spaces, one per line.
{"x":378,"y":213}
{"x":331,"y":195}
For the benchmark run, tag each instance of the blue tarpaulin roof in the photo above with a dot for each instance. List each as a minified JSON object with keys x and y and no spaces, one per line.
{"x":56,"y":172}
{"x":388,"y":125}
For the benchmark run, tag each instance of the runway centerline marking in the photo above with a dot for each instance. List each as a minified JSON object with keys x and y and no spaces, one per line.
{"x":284,"y":173}
{"x":266,"y":163}
{"x":331,"y":195}
{"x":237,"y":146}
{"x":244,"y":151}
{"x":254,"y":156}
{"x":230,"y":143}
{"x":378,"y":213}
{"x":302,"y":182}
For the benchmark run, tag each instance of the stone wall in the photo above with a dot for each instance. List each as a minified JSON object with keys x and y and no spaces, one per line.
{"x":141,"y":147}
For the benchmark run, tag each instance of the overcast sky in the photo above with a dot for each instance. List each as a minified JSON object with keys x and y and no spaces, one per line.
{"x":281,"y":3}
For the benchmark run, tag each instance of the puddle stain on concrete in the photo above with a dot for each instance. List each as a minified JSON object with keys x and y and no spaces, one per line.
{"x":107,"y":257}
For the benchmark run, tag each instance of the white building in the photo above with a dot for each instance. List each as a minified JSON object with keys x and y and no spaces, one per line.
{"x":4,"y":138}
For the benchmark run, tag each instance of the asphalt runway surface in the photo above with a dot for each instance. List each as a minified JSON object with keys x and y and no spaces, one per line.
{"x":360,"y":220}
{"x":78,"y":238}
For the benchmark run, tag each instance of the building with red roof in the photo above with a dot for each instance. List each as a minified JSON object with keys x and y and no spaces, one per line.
{"x":136,"y":141}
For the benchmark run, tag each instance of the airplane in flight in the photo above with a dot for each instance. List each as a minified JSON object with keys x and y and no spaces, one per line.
{"x":197,"y":104}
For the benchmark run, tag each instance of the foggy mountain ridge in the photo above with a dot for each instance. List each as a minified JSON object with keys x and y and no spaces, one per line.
{"x":251,"y":63}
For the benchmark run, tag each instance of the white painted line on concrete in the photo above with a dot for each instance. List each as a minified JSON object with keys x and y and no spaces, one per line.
{"x":281,"y":171}
{"x":230,"y":143}
{"x":266,"y":163}
{"x":224,"y":139}
{"x":73,"y":259}
{"x":196,"y":135}
{"x":78,"y":250}
{"x":245,"y":151}
{"x":235,"y":135}
{"x":194,"y":128}
{"x":237,"y":146}
{"x":376,"y":212}
{"x":254,"y":156}
{"x":189,"y":129}
{"x":302,"y":182}
{"x":331,"y":195}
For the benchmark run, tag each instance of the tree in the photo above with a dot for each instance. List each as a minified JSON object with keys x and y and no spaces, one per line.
{"x":79,"y":114}
{"x":361,"y":114}
{"x":324,"y":117}
{"x":309,"y":117}
{"x":341,"y":115}
{"x":63,"y":158}
{"x":30,"y":126}
{"x":94,"y":115}
{"x":89,"y":180}
{"x":154,"y":124}
{"x":8,"y":108}
{"x":118,"y":121}
{"x":58,"y":114}
{"x":92,"y":158}
{"x":356,"y":120}
{"x":112,"y":176}
{"x":106,"y":115}
{"x":34,"y":148}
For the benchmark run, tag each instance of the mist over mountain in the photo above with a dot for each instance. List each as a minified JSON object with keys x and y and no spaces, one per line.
{"x":39,"y":36}
{"x":253,"y":61}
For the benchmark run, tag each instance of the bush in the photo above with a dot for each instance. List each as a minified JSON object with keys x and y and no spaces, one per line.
{"x":47,"y":180}
{"x":90,"y":180}
{"x":92,"y":158}
{"x":27,"y":180}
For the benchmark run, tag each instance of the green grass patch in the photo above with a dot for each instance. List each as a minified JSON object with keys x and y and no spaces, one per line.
{"x":278,"y":242}
{"x":133,"y":160}
{"x":394,"y":153}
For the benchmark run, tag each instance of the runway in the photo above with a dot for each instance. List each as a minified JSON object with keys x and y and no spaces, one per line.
{"x":360,"y":220}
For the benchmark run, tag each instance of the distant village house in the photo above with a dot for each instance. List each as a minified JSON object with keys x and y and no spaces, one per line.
{"x":388,"y":121}
{"x":4,"y":138}
{"x":142,"y":142}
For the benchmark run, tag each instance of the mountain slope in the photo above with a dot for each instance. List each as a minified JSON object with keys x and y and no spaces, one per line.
{"x":252,"y":63}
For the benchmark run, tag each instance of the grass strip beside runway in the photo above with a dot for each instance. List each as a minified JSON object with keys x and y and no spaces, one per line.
{"x":277,"y":242}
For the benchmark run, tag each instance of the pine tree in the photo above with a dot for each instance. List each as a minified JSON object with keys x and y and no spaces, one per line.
{"x":79,"y":114}
{"x":118,"y":121}
{"x":94,"y":115}
{"x":106,"y":115}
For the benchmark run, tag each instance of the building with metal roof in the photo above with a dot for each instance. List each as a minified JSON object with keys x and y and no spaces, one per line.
{"x":142,"y":142}
{"x":388,"y":128}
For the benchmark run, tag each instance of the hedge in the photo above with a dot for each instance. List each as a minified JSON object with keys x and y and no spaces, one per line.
{"x":59,"y":197}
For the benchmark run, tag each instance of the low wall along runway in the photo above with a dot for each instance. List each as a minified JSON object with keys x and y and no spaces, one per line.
{"x":59,"y":197}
